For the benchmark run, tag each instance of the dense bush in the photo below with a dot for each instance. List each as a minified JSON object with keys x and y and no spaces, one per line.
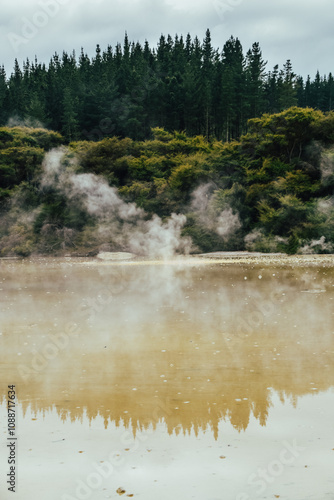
{"x":271,"y":191}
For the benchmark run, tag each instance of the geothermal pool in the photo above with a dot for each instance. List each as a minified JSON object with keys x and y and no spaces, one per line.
{"x":206,"y":379}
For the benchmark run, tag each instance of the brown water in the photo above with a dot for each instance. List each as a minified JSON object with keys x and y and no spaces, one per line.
{"x":196,"y":379}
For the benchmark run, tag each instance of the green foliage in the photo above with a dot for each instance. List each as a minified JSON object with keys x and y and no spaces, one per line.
{"x":145,"y":168}
{"x":270,"y":170}
{"x":203,"y":239}
{"x":26,"y":196}
{"x":160,"y":134}
{"x":274,"y":186}
{"x":291,"y":213}
{"x":259,"y":241}
{"x":35,"y":137}
{"x":5,"y":137}
{"x":140,"y":193}
{"x":57,"y":212}
{"x":284,"y":135}
{"x":4,"y":195}
{"x":109,"y":157}
{"x":236,"y":198}
{"x":187,"y":176}
{"x":323,"y":129}
{"x":171,"y":145}
{"x":293,"y":244}
{"x":299,"y":184}
{"x":18,"y":164}
{"x":21,"y":154}
{"x":227,"y":161}
{"x":46,"y":139}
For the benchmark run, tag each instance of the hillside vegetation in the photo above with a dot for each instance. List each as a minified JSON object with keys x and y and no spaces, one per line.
{"x":270,"y":191}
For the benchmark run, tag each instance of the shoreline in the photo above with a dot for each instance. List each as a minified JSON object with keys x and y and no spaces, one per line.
{"x":223,"y":258}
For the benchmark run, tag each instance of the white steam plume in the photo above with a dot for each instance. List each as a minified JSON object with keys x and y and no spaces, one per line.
{"x":225,"y":223}
{"x":200,"y":198}
{"x":325,"y":206}
{"x":257,"y":241}
{"x":120,"y":223}
{"x":99,"y":198}
{"x":16,"y":121}
{"x":327,"y":166}
{"x":316,"y":246}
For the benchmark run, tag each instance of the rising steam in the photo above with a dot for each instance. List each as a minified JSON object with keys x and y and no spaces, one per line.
{"x":123,"y":225}
{"x":317,"y":246}
{"x":224,"y":222}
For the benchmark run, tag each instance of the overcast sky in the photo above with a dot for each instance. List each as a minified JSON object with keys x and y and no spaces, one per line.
{"x":299,"y":30}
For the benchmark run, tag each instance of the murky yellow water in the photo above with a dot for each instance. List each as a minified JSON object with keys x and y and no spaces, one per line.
{"x":204,"y":379}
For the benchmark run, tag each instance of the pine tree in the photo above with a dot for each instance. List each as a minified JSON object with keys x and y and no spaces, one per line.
{"x":318,"y":92}
{"x":16,"y":92}
{"x":69,"y":116}
{"x":287,"y":89}
{"x":182,"y":84}
{"x":271,"y":91}
{"x":192,"y":86}
{"x":330,"y":93}
{"x":188,"y":47}
{"x":3,"y":97}
{"x":300,"y":92}
{"x":233,"y":88}
{"x":36,"y":110}
{"x":54,"y":94}
{"x":255,"y":75}
{"x":307,"y":92}
{"x":207,"y":77}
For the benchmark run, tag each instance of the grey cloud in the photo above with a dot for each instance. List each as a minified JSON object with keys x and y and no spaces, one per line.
{"x":299,"y":30}
{"x":286,"y":30}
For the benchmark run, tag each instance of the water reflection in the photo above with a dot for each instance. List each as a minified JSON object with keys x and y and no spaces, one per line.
{"x":188,"y":344}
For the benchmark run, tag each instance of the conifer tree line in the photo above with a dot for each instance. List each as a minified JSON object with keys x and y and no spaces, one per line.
{"x":182,"y":84}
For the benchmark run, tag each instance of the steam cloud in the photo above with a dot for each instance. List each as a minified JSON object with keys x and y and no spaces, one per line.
{"x":317,"y":246}
{"x":121,"y":224}
{"x":258,"y":241}
{"x":225,"y":223}
{"x":325,"y":208}
{"x":16,"y":121}
{"x":327,"y":167}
